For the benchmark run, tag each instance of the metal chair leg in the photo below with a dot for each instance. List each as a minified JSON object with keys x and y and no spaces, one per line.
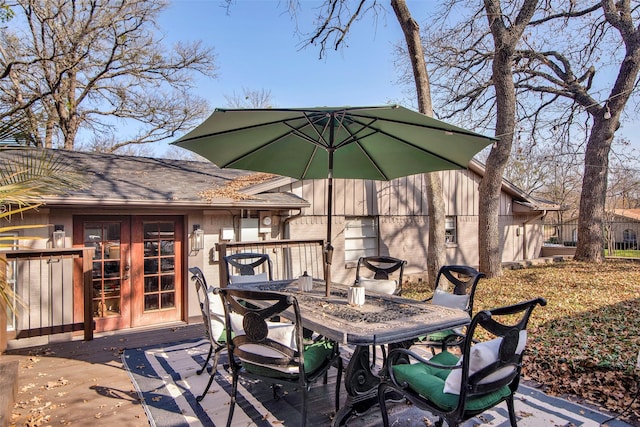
{"x":212,"y":372}
{"x":383,"y":404}
{"x":204,"y":365}
{"x":512,"y":411}
{"x":338,"y":381}
{"x":232,"y":404}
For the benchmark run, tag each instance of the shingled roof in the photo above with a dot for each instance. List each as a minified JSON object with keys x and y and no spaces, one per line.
{"x":128,"y":180}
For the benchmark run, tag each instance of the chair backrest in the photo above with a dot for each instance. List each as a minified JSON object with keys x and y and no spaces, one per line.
{"x":247,"y":264}
{"x":456,"y":286}
{"x":210,"y":306}
{"x":382,"y":268}
{"x":491,"y":364}
{"x":257,"y":341}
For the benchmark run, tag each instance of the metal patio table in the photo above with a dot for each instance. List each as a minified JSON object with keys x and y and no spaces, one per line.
{"x":383,"y":319}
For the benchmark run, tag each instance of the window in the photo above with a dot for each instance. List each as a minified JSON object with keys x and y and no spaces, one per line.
{"x":360,"y":238}
{"x":629,"y":236}
{"x":450,"y":233}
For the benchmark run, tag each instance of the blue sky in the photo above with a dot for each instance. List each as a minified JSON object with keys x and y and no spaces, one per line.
{"x":257,"y":49}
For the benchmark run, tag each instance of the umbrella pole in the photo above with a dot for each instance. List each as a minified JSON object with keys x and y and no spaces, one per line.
{"x":328,"y":255}
{"x":328,"y":252}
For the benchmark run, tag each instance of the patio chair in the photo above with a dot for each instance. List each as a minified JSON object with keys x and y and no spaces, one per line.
{"x":274,"y":352}
{"x":456,"y":388}
{"x":381,"y":267}
{"x":213,"y":319}
{"x":242,"y":267}
{"x":455,"y":288}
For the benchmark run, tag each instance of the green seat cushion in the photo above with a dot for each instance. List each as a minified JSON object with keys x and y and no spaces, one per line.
{"x":428,"y":381}
{"x":439,"y":336}
{"x":315,"y":355}
{"x":222,"y":339}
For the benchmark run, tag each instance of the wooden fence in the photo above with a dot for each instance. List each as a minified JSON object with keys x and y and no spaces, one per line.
{"x":43,"y":282}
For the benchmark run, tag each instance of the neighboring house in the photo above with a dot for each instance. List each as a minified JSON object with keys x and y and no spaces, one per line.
{"x":621,"y":229}
{"x":139,"y":213}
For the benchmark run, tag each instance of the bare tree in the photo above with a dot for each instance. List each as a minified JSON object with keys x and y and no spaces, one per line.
{"x":334,"y":21}
{"x":506,"y":34}
{"x":250,"y":99}
{"x":436,"y":248}
{"x":99,"y":65}
{"x":623,"y":187}
{"x":571,"y":74}
{"x":555,"y":85}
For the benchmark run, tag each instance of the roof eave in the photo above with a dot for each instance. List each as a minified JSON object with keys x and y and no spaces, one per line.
{"x":216,"y":203}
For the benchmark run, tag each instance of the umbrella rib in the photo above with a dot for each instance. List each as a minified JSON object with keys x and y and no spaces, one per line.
{"x":354,"y":138}
{"x":294,"y":130}
{"x":404,"y":141}
{"x":458,"y":131}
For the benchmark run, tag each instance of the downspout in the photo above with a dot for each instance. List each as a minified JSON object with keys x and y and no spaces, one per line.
{"x":524,"y":232}
{"x":286,"y":230}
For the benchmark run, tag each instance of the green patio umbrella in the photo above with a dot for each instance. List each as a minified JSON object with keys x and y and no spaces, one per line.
{"x":380,"y":143}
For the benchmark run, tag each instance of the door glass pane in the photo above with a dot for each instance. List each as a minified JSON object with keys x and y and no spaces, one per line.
{"x":168,"y":300}
{"x":104,"y":237}
{"x":151,"y":302}
{"x":159,"y":265}
{"x":168,"y":283}
{"x":150,"y":284}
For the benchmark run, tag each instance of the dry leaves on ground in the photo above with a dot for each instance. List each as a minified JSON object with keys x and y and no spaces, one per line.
{"x":586,"y":341}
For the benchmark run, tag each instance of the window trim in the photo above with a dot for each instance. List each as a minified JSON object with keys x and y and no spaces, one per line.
{"x":447,"y":230}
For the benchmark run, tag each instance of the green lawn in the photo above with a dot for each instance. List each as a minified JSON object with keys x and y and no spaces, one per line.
{"x":587,"y":339}
{"x":626,"y":253}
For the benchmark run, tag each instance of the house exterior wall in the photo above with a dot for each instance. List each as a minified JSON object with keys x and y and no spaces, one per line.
{"x":400,"y":207}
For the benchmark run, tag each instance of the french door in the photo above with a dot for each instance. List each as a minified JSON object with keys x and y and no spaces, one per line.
{"x":156,"y":260}
{"x":136,"y":269}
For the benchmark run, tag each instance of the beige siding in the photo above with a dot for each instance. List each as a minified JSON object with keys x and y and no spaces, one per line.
{"x":402,"y":209}
{"x":402,"y":196}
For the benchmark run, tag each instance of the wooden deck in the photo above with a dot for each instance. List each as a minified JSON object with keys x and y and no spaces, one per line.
{"x":85,"y":383}
{"x":80,"y":383}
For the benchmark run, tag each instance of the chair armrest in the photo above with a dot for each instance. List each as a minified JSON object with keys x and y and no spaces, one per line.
{"x":397,"y":352}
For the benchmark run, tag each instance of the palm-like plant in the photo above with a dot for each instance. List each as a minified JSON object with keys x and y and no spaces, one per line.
{"x":26,"y":176}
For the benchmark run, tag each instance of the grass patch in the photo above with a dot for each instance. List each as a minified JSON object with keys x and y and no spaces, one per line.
{"x":586,"y":340}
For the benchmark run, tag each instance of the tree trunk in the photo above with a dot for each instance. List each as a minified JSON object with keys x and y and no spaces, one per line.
{"x":594,"y":191}
{"x":436,"y":246}
{"x":606,"y":120}
{"x":505,"y":41}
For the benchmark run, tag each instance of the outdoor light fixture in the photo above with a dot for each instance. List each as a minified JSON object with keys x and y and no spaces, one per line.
{"x":197,"y":239}
{"x":607,"y":112}
{"x":57,"y":239}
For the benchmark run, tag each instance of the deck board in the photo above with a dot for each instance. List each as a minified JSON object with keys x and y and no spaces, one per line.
{"x":81,"y":383}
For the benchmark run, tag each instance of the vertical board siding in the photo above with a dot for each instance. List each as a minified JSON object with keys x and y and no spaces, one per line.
{"x":402,"y":211}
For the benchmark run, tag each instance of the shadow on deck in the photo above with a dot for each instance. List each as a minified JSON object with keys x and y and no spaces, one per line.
{"x":83,"y":383}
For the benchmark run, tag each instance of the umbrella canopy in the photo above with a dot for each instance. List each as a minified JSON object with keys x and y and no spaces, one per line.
{"x":380,"y":143}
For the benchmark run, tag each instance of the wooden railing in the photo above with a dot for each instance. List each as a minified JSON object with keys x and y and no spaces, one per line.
{"x":44,"y":280}
{"x":290,"y":258}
